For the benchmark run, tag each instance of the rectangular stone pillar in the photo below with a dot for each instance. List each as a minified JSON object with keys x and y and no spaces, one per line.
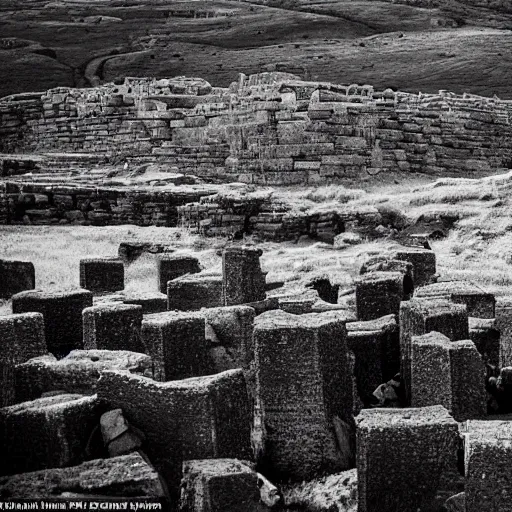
{"x":448,"y":373}
{"x":21,"y":338}
{"x":379,"y":294}
{"x":62,"y":313}
{"x":423,"y":261}
{"x":487,"y":456}
{"x":303,"y":383}
{"x":15,"y":277}
{"x":479,"y":303}
{"x":191,"y":293}
{"x":102,"y":275}
{"x":171,"y":267}
{"x":49,"y":432}
{"x":417,"y":317}
{"x":376,"y":348}
{"x":243,"y":280}
{"x":113,"y":327}
{"x":401,"y":454}
{"x":504,"y":326}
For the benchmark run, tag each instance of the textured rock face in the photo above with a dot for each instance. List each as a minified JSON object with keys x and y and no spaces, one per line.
{"x":22,"y":338}
{"x":127,"y":475}
{"x":170,"y":267}
{"x":488,"y":448}
{"x":302,"y":383}
{"x":47,"y":432}
{"x":418,"y":316}
{"x":62,"y":313}
{"x":15,"y":277}
{"x":400,"y":456}
{"x":113,"y":327}
{"x":448,"y":373}
{"x":78,"y":372}
{"x":102,"y":275}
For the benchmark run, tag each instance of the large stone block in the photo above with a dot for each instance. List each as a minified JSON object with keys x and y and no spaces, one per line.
{"x":102,"y":275}
{"x":171,"y":267}
{"x":219,"y":485}
{"x":448,"y":373}
{"x":190,"y":293}
{"x":487,"y":455}
{"x":423,"y":261}
{"x":151,"y":302}
{"x":418,"y":316}
{"x":177,"y":344}
{"x":47,"y":433}
{"x":127,"y":475}
{"x":15,"y":277}
{"x":401,"y":454}
{"x":243,"y":280}
{"x":78,"y":372}
{"x":303,"y":383}
{"x":504,"y":326}
{"x":479,"y":303}
{"x":113,"y":327}
{"x":376,"y":348}
{"x":380,"y":293}
{"x":486,"y":337}
{"x":22,"y":338}
{"x":62,"y":313}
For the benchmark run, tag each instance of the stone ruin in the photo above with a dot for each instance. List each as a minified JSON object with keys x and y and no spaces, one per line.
{"x":231,"y":400}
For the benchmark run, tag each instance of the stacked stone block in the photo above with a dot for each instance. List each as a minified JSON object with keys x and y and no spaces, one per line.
{"x":177,"y":345}
{"x":77,"y":373}
{"x":419,"y":317}
{"x":171,"y":267}
{"x":487,"y":454}
{"x":376,"y":348}
{"x":448,"y":373}
{"x":479,"y":303}
{"x":47,"y":433}
{"x":126,"y":475}
{"x":423,"y":262}
{"x":113,"y":327}
{"x":102,"y":275}
{"x":302,"y":383}
{"x":15,"y":277}
{"x":62,"y":313}
{"x":219,"y":485}
{"x":22,"y":338}
{"x":401,"y":454}
{"x":243,"y":280}
{"x":191,"y":293}
{"x":379,"y":294}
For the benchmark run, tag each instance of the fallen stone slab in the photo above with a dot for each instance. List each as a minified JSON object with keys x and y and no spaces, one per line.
{"x":47,"y":433}
{"x":124,"y":476}
{"x":15,"y":277}
{"x":78,"y":372}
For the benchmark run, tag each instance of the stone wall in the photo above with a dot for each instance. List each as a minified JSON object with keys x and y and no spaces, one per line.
{"x":270,"y":128}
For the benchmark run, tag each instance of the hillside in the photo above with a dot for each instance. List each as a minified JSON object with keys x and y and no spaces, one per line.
{"x":460,"y":46}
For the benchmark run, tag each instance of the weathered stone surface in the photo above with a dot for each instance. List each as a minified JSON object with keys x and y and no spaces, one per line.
{"x":504,"y":326}
{"x":102,"y":275}
{"x":487,"y":453}
{"x":22,"y":337}
{"x":448,"y":373}
{"x":479,"y":303}
{"x":47,"y":432}
{"x":78,"y":372}
{"x":423,"y":261}
{"x":400,"y":456}
{"x":297,"y":420}
{"x":417,"y":317}
{"x":127,"y":475}
{"x":62,"y":313}
{"x":15,"y":277}
{"x":194,"y":292}
{"x":171,"y":267}
{"x":219,"y":485}
{"x":243,"y":280}
{"x":113,"y":327}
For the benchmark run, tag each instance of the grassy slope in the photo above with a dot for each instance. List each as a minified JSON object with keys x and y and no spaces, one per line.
{"x":341,"y":40}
